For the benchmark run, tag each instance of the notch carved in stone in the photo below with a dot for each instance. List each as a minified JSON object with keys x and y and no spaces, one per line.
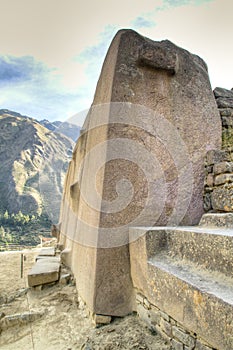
{"x":158,"y":56}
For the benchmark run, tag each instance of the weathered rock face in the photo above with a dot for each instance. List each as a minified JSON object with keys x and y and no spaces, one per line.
{"x":139,"y":161}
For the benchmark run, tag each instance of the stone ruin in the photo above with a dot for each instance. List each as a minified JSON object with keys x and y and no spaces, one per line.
{"x":134,"y":193}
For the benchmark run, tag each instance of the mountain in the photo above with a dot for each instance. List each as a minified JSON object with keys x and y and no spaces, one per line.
{"x":70,"y":130}
{"x":33,"y":164}
{"x":65,"y":128}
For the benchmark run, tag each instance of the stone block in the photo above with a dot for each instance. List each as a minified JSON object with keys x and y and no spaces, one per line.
{"x":223,"y":167}
{"x":183,"y":336}
{"x":44,"y":258}
{"x":166,"y":327}
{"x":216,"y":156}
{"x":222,"y":179}
{"x":224,"y":220}
{"x":146,"y":304}
{"x":50,"y":251}
{"x":210,"y":180}
{"x":162,"y":334}
{"x":164,"y":316}
{"x":139,"y":298}
{"x":176,"y":345}
{"x":133,"y":133}
{"x":19,"y":319}
{"x":224,"y":102}
{"x":227,"y":122}
{"x":226,"y":112}
{"x":155,"y":316}
{"x":144,"y":314}
{"x":43,"y":273}
{"x":101,"y":319}
{"x":201,"y":346}
{"x":221,"y":92}
{"x":222,"y":198}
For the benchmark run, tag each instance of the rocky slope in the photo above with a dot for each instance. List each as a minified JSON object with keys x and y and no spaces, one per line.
{"x":65,"y":128}
{"x":29,"y":155}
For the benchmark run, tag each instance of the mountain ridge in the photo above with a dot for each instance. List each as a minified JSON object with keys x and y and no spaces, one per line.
{"x":68,"y":129}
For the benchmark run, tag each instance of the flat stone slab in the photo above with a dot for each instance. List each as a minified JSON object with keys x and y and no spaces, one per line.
{"x":42,"y":259}
{"x":44,"y":272}
{"x":50,"y":251}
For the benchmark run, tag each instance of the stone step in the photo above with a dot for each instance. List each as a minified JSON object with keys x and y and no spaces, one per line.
{"x":50,"y":251}
{"x":186,"y":272}
{"x":44,"y":271}
{"x":214,"y":283}
{"x":200,"y":300}
{"x":40,"y":258}
{"x":210,"y":249}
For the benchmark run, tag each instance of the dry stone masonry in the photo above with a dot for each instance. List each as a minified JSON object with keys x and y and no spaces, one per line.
{"x":218,"y":195}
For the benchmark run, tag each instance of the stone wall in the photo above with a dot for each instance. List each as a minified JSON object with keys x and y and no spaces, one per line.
{"x":218,"y":196}
{"x":172,"y":331}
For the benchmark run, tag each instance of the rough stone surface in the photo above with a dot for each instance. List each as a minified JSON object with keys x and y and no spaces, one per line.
{"x":226,"y":112}
{"x":227,"y":122}
{"x":183,"y":337}
{"x":222,"y":198}
{"x":216,"y":156}
{"x":166,"y":327}
{"x":225,"y":102}
{"x":225,"y":93}
{"x":223,"y":167}
{"x":201,"y":346}
{"x":187,"y":273}
{"x":42,"y":258}
{"x":176,"y":345}
{"x":43,"y":272}
{"x":171,"y":116}
{"x":50,"y":251}
{"x":223,"y":179}
{"x":19,"y":319}
{"x":224,"y":220}
{"x":65,"y":278}
{"x":101,"y":319}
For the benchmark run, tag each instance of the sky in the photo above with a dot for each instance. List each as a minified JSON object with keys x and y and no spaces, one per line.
{"x":51,"y":51}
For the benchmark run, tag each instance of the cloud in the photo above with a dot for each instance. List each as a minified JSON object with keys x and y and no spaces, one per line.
{"x":177,"y":3}
{"x":30,"y":87}
{"x":92,"y":57}
{"x":142,"y":22}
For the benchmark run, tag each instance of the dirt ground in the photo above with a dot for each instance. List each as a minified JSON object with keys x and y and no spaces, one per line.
{"x":63,"y":322}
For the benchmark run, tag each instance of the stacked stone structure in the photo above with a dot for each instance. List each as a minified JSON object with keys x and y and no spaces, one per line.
{"x":218,"y":196}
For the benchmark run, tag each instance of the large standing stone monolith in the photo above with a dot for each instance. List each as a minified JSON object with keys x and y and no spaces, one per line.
{"x":138,"y":162}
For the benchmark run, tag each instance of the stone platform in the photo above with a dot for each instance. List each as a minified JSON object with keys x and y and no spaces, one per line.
{"x":186,"y":273}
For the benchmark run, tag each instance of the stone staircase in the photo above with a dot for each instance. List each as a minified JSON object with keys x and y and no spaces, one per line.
{"x":46,"y":268}
{"x":187,"y":274}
